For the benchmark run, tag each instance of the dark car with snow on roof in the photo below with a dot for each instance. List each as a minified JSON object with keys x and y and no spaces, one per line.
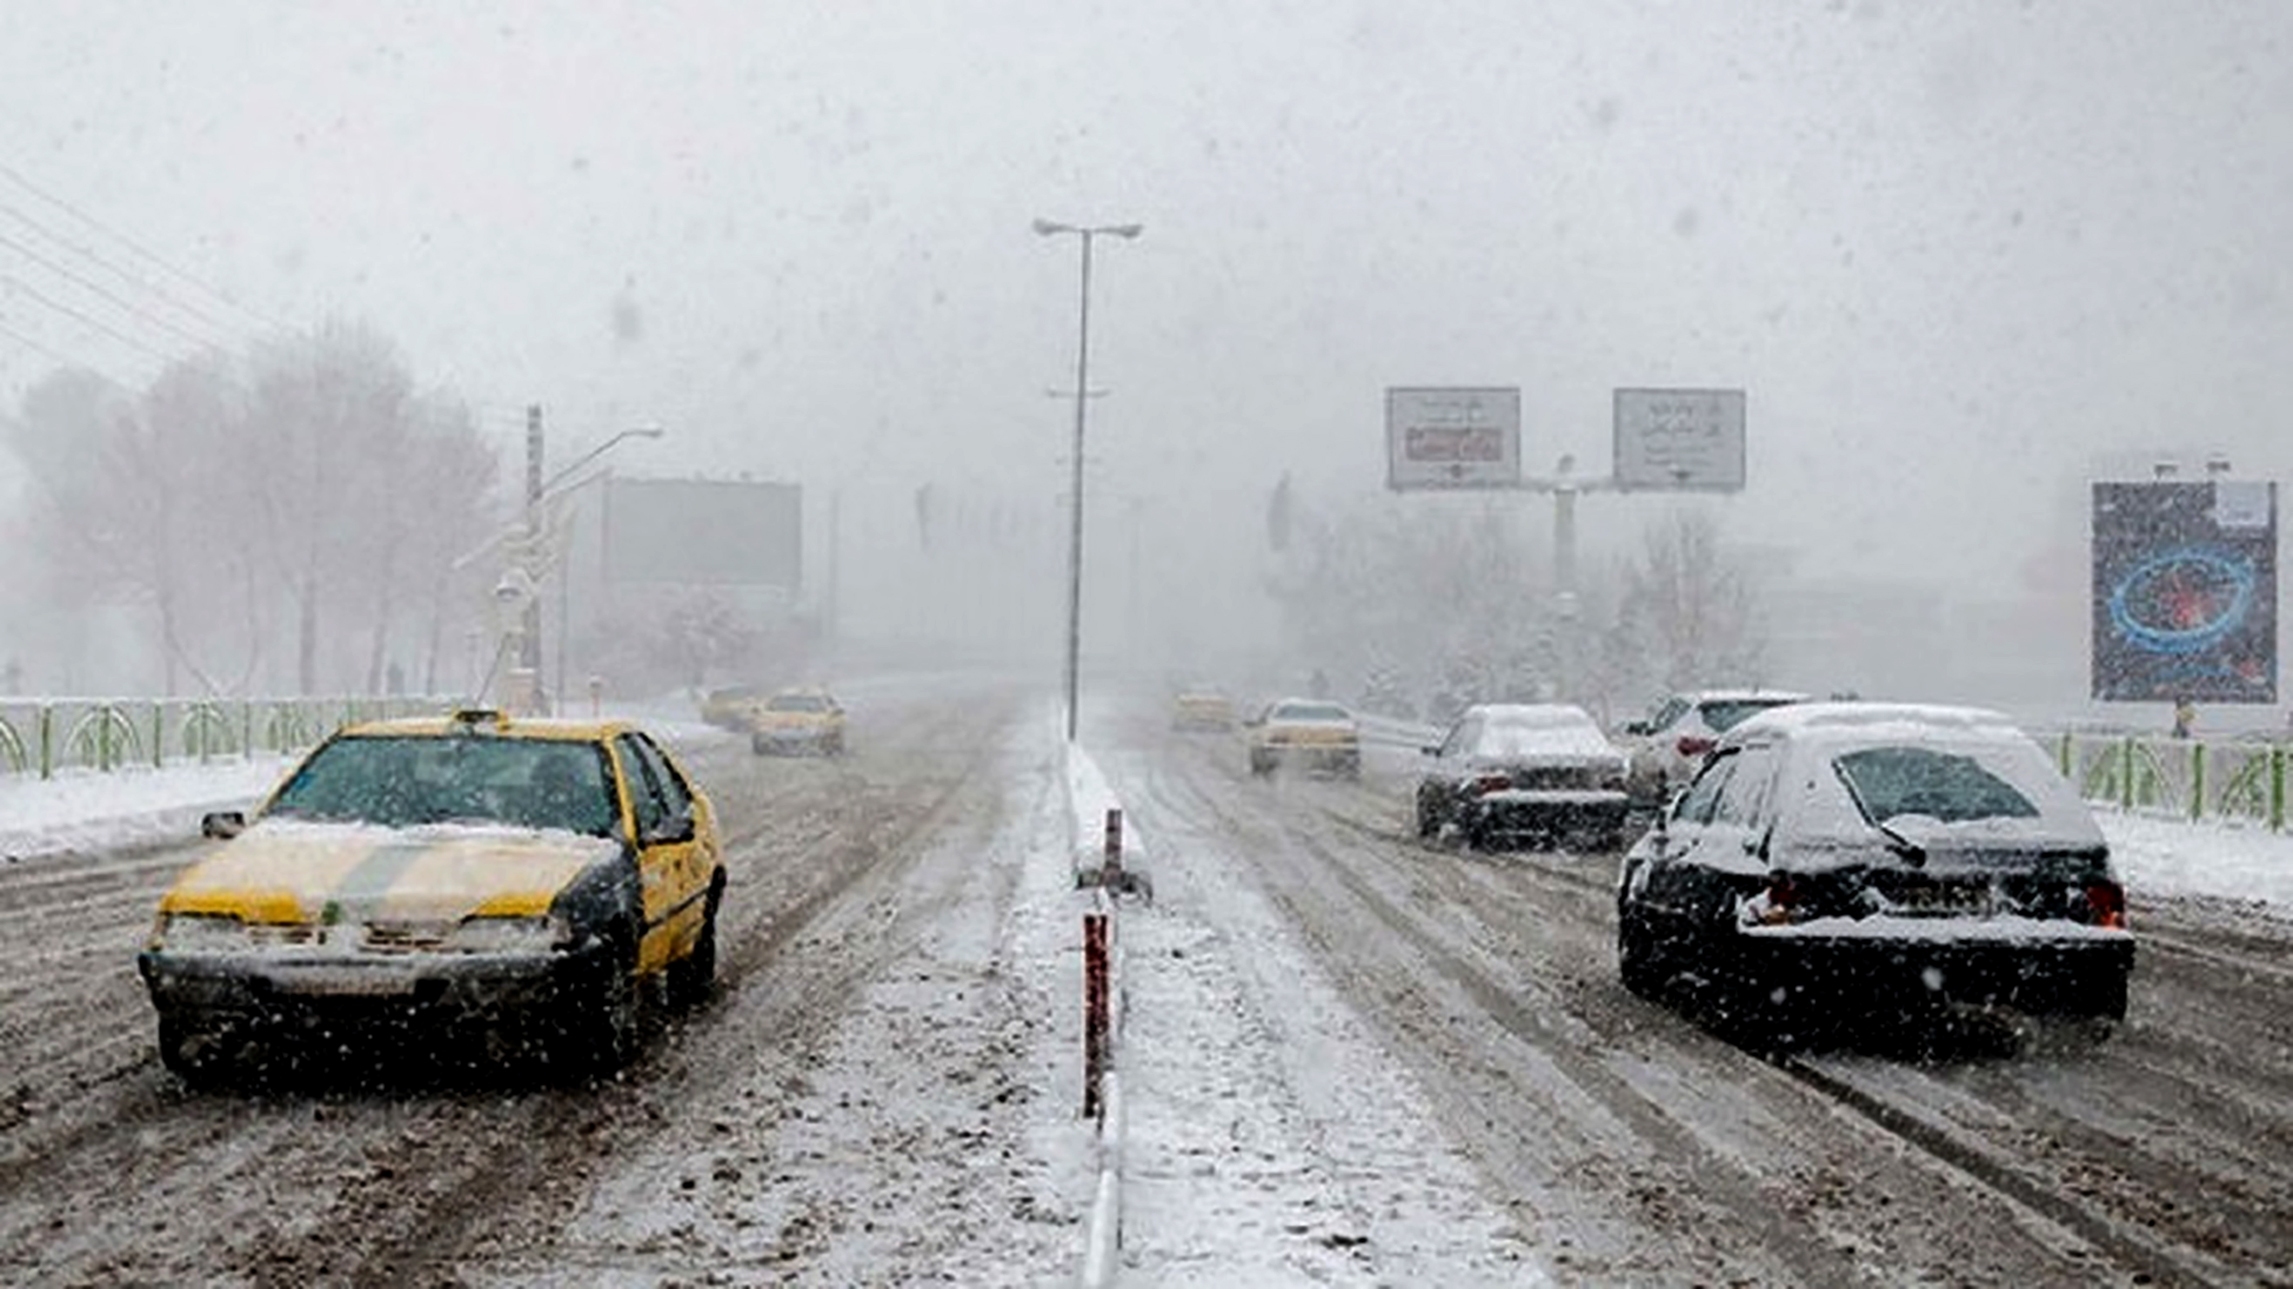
{"x":1834,"y":864}
{"x":1541,"y":773}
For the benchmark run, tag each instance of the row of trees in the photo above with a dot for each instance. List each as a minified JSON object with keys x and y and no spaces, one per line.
{"x":1431,"y":607}
{"x":304,"y":503}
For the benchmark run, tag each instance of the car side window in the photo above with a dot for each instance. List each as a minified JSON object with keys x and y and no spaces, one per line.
{"x":675,"y":795}
{"x":644,"y":785}
{"x":1462,"y":737}
{"x":1697,"y":804}
{"x":1743,"y":798}
{"x":1670,"y":712}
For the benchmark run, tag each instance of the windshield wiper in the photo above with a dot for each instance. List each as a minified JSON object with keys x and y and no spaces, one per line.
{"x":1910,"y":852}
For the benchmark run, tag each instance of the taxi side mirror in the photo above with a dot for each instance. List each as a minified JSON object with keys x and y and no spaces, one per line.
{"x":674,"y":828}
{"x":222,"y":825}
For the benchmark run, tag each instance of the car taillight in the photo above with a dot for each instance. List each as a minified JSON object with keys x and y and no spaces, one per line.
{"x":1777,"y":904}
{"x":1489,"y":783}
{"x":1693,"y":745}
{"x":2106,"y":904}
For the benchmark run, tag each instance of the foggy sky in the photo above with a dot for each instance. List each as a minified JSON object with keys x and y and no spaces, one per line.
{"x":1954,"y":252}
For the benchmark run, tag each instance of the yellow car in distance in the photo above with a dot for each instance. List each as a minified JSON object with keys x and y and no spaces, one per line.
{"x":1307,"y":733}
{"x":803,"y":719}
{"x":512,"y":884}
{"x":1199,"y":708}
{"x":728,"y":706}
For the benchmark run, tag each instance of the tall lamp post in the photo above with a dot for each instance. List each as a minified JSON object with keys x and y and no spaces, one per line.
{"x":537,"y":490}
{"x":1085,"y":235}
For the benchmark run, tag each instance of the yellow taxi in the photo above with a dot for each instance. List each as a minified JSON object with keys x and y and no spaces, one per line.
{"x":728,"y":706}
{"x":1201,"y":708}
{"x":1308,"y":733}
{"x":805,"y":718}
{"x":516,"y":883}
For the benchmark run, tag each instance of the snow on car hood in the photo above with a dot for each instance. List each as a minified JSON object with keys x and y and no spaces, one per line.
{"x":288,"y":871}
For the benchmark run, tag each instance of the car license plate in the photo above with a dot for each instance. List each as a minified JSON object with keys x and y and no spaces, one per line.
{"x":344,"y":981}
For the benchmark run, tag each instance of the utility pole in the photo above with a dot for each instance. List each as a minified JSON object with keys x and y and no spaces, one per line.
{"x":529,"y":648}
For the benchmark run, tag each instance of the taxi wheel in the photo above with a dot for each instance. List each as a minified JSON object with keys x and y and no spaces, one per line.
{"x":692,"y":977}
{"x":600,"y":1027}
{"x":190,"y":1052}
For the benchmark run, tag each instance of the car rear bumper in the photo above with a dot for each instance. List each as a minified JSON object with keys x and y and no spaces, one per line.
{"x":1342,"y":758}
{"x":1537,"y":813}
{"x":2007,"y":966}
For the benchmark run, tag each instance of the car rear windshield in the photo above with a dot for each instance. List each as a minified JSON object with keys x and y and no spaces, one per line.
{"x":403,"y":782}
{"x":1725,"y":714}
{"x":1888,"y":782}
{"x":1311,"y":712}
{"x":796,"y":703}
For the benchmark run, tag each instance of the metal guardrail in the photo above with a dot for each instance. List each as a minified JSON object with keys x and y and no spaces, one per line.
{"x":39,"y":736}
{"x":2238,"y":780}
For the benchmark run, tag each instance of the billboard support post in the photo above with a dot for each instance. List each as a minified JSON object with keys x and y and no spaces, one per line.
{"x":1447,"y":439}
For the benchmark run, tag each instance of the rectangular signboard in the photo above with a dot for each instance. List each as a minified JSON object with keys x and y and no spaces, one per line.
{"x":704,"y":532}
{"x":1452,"y":437}
{"x":2185,"y":592}
{"x":1680,"y":440}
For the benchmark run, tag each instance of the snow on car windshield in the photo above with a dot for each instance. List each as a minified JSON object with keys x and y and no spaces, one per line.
{"x":404,"y":782}
{"x":1563,"y":733}
{"x":796,"y":703}
{"x":1888,"y":782}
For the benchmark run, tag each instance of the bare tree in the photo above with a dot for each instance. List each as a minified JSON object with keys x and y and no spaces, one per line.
{"x":1685,"y":616}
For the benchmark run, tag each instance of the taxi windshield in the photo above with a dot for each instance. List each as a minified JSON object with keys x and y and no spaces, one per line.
{"x":403,"y":782}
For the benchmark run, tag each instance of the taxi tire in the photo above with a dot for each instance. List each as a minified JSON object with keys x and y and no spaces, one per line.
{"x":187,"y":1050}
{"x":600,"y":1026}
{"x":692,"y":978}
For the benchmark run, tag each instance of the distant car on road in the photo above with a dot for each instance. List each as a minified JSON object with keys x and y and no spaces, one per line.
{"x":804,"y":718}
{"x":1669,"y":742}
{"x":1307,"y":733}
{"x":1201,"y":709}
{"x":1537,"y":773}
{"x":514,"y":884}
{"x":1841,"y":863}
{"x":728,"y":706}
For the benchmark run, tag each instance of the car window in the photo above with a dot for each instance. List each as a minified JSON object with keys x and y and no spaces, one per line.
{"x":1725,"y":714}
{"x":796,"y":703}
{"x":1887,"y":782}
{"x":1697,"y":804}
{"x":645,"y":796}
{"x":409,"y":781}
{"x":1668,"y":712}
{"x":1311,"y":712}
{"x":676,"y":795}
{"x":1467,"y":734}
{"x":1743,"y":798}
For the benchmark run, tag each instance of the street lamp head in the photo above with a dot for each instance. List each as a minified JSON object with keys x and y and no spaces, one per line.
{"x":1046,"y":227}
{"x":647,"y":432}
{"x":1125,"y":230}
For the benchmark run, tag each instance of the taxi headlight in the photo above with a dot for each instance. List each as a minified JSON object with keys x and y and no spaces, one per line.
{"x":508,"y":935}
{"x":202,"y":933}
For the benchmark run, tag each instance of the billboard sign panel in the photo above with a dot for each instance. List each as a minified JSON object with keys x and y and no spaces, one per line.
{"x":2185,"y":592}
{"x":1680,"y":440}
{"x":1452,"y":437}
{"x":704,"y":532}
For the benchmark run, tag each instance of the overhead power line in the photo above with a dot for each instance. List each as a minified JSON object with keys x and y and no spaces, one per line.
{"x":17,"y":285}
{"x":131,"y":244}
{"x":78,"y":279}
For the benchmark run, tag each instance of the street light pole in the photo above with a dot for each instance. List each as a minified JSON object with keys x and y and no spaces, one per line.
{"x":1084,"y":234}
{"x":538,"y":490}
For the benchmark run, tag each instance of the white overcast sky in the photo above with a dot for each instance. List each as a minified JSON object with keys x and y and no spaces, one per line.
{"x":1953,"y":251}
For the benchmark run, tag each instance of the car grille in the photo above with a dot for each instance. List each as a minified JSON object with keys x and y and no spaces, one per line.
{"x":404,"y":938}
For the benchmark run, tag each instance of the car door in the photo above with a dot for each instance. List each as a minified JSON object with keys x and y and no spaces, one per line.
{"x":668,"y":852}
{"x":1670,"y":886}
{"x":1445,"y":778}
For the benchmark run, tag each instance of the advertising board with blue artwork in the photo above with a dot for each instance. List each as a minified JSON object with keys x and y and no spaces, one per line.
{"x":2185,"y":592}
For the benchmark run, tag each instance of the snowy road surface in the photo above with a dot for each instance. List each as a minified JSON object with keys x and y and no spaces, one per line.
{"x":1350,"y":1059}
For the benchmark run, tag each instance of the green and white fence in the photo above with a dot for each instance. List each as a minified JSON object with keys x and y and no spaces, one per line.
{"x":2237,"y":780}
{"x":42,"y":736}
